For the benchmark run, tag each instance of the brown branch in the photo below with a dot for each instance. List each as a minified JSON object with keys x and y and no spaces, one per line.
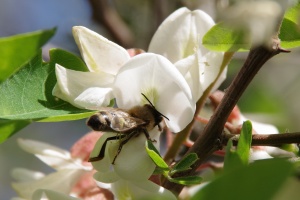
{"x":108,"y":16}
{"x":209,"y":139}
{"x":275,"y":140}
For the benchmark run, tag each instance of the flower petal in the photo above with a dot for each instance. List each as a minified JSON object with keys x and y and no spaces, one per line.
{"x":23,"y":175}
{"x":157,"y":78}
{"x":180,"y":34}
{"x":133,"y":163}
{"x":104,"y":165}
{"x":61,"y":181}
{"x":260,"y":128}
{"x":36,"y":147}
{"x":189,"y":68}
{"x":209,"y":69}
{"x":140,"y":190}
{"x":51,"y":155}
{"x":89,"y":90}
{"x":104,"y":179}
{"x":99,"y":53}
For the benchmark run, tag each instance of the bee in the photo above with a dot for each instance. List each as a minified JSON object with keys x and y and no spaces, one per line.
{"x":129,"y":123}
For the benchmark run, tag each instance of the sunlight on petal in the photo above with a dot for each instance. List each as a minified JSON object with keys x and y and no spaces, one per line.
{"x":94,"y":98}
{"x":181,"y":33}
{"x":99,"y":53}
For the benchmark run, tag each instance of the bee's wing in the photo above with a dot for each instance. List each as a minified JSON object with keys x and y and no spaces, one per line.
{"x":122,"y":124}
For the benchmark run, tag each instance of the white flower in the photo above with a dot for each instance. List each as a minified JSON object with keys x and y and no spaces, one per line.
{"x":113,"y":74}
{"x":157,"y":78}
{"x":103,"y":58}
{"x":125,"y":80}
{"x":69,"y":170}
{"x":179,"y":39}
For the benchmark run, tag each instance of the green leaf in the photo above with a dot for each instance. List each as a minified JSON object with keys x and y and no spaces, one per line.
{"x":240,"y":156}
{"x":185,"y":163}
{"x":155,"y":156}
{"x":67,"y":60}
{"x":289,"y":31}
{"x":231,"y":160}
{"x":9,"y":127}
{"x":17,"y":50}
{"x":30,"y":95}
{"x":188,"y":180}
{"x":260,"y":180}
{"x":222,"y":38}
{"x":244,"y":144}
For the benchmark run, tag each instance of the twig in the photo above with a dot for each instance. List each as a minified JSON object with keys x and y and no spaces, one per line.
{"x":275,"y":140}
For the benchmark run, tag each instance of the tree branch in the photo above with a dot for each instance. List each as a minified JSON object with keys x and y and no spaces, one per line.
{"x":209,"y":139}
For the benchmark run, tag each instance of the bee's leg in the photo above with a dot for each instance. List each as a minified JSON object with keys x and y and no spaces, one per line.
{"x":147,"y":135}
{"x":102,"y":151}
{"x":128,"y":137}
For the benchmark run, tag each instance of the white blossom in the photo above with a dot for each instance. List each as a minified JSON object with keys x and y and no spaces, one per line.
{"x":68,"y":170}
{"x":181,"y":35}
